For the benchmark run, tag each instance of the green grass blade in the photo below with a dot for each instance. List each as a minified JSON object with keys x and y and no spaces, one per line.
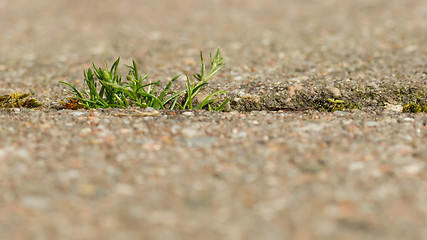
{"x":222,"y":106}
{"x":97,"y":71}
{"x":78,"y":93}
{"x":209,"y":99}
{"x":197,"y":89}
{"x":198,"y":76}
{"x":173,"y":96}
{"x":214,"y":72}
{"x":113,"y":70}
{"x":188,"y":100}
{"x":203,"y":70}
{"x":153,"y":89}
{"x":164,"y":92}
{"x":179,"y":105}
{"x":154,"y":99}
{"x":135,"y":69}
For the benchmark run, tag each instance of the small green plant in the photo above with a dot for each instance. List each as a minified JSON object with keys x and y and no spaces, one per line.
{"x":17,"y":100}
{"x":203,"y":77}
{"x":104,"y":88}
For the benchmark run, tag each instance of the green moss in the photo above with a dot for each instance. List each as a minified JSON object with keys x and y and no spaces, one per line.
{"x":17,"y":100}
{"x":414,"y":108}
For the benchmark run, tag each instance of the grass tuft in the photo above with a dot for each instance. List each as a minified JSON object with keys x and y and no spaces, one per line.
{"x":103,"y":88}
{"x":193,"y":88}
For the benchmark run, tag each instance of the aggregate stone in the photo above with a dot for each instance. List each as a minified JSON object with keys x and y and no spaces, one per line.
{"x":265,"y":169}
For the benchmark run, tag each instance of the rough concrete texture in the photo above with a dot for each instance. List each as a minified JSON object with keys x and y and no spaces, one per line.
{"x":272,"y":168}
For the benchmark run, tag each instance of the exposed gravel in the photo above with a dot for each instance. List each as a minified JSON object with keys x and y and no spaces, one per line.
{"x":147,"y":174}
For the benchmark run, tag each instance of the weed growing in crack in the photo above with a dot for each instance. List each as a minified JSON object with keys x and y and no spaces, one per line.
{"x":144,"y":95}
{"x":194,"y":87}
{"x":103,"y":88}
